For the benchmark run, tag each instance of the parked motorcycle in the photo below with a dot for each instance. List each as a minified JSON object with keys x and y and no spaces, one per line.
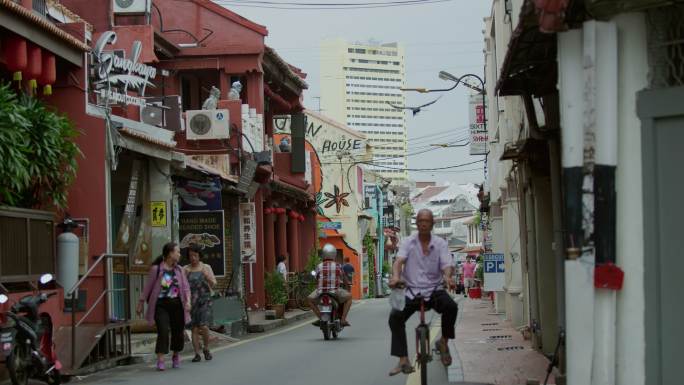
{"x":330,"y":316}
{"x":26,"y":340}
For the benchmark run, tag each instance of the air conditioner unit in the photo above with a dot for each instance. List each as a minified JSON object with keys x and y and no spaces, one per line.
{"x":207,"y":124}
{"x":162,"y":112}
{"x":152,"y":114}
{"x":131,"y":6}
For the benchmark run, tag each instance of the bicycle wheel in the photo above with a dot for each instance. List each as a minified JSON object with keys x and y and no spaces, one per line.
{"x":423,"y":338}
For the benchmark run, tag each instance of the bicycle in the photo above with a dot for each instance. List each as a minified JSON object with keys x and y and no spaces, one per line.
{"x":423,"y":351}
{"x":298,"y":289}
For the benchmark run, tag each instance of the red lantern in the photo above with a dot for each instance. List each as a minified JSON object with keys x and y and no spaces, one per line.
{"x":35,"y":65}
{"x":301,"y":217}
{"x":49,"y":74}
{"x":267,"y":211}
{"x":281,"y":211}
{"x":16,"y":56}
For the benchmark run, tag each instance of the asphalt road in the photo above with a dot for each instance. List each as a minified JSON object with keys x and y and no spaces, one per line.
{"x":296,"y":355}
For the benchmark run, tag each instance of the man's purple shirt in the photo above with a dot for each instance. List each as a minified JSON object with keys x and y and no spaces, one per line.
{"x":422,"y":273}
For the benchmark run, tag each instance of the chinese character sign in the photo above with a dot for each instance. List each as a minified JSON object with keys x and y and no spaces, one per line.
{"x":247,"y":232}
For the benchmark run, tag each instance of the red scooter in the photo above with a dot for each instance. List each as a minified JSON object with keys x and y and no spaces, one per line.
{"x":26,"y":340}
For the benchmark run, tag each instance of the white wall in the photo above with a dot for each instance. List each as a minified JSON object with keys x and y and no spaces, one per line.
{"x":632,"y":77}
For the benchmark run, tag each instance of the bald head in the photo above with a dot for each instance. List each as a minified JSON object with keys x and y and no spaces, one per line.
{"x":424,"y":221}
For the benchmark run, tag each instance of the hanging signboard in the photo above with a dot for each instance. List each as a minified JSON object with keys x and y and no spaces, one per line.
{"x":196,"y":195}
{"x":370,"y":193}
{"x":330,"y":225}
{"x":247,"y":232}
{"x":204,"y":229}
{"x":116,"y":74}
{"x":494,"y":269}
{"x":478,"y":131}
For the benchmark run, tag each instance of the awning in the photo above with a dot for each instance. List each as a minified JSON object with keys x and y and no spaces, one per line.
{"x":199,"y":166}
{"x":530,"y":63}
{"x":31,"y":26}
{"x":292,"y":191}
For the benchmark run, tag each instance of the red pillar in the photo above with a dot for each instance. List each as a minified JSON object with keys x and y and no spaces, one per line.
{"x":257,"y":299}
{"x":269,"y":242}
{"x":281,"y":234}
{"x":255,"y":91}
{"x":293,"y":244}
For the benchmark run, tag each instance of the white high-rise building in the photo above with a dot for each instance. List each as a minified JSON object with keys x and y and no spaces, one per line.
{"x":358,"y":80}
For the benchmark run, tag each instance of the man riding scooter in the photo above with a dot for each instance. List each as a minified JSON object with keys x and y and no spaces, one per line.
{"x":330,"y":277}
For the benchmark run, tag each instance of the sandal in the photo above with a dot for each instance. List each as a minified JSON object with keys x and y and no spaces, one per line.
{"x":444,"y":353}
{"x":405,"y":368}
{"x":207,"y":355}
{"x":197,"y":358}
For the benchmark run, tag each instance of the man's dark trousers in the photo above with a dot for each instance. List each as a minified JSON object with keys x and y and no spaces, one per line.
{"x":440,"y":301}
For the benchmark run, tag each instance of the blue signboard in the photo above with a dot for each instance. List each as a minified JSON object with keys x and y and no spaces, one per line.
{"x":494,"y":263}
{"x":331,"y":225}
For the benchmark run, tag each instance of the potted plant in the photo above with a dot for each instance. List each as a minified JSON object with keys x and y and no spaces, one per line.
{"x":276,"y":293}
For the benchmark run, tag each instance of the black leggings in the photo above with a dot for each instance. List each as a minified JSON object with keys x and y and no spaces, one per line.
{"x":440,"y":301}
{"x":169,"y":314}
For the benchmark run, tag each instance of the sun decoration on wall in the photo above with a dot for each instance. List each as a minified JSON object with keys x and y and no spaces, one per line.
{"x":337,"y":199}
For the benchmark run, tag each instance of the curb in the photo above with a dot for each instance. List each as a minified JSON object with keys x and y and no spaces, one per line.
{"x":275,"y":324}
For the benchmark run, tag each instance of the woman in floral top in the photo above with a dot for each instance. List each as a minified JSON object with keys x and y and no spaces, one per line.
{"x":167,"y":293}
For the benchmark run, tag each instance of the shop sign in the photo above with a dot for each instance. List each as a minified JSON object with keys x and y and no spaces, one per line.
{"x":370,"y":196}
{"x":206,"y":230}
{"x":248,"y":232}
{"x":196,"y":195}
{"x":116,"y":75}
{"x":494,"y":269}
{"x":159,"y":213}
{"x":331,"y":225}
{"x":478,"y":131}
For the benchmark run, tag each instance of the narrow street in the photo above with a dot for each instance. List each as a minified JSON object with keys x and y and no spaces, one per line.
{"x":294,"y":355}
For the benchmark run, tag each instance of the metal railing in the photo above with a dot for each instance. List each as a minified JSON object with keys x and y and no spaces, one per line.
{"x":73,"y":292}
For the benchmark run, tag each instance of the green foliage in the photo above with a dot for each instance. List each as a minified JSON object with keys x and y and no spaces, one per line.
{"x":275,"y":288}
{"x":311,"y":264}
{"x":37,"y":151}
{"x":479,"y":271}
{"x":407,"y":210}
{"x":370,"y":250}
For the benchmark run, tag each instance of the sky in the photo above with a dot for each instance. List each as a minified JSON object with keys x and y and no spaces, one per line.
{"x":438,"y":36}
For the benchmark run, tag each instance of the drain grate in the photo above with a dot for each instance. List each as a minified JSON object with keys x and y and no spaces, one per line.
{"x":490,"y":324}
{"x":511,"y":348}
{"x":491,"y":330}
{"x":503,"y":337}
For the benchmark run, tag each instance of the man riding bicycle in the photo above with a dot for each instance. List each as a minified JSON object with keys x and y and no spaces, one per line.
{"x":330,"y":277}
{"x":427,"y":266}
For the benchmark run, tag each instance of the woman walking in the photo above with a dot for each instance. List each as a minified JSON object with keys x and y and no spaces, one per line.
{"x":201,"y":279}
{"x":167,"y":293}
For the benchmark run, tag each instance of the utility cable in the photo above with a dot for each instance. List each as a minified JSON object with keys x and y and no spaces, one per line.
{"x":237,"y":3}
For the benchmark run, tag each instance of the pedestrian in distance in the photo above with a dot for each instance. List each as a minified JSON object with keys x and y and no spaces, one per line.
{"x":469,"y":268}
{"x":281,"y":267}
{"x":167,"y":294}
{"x":424,"y":266}
{"x":348,"y":270}
{"x":201,"y":279}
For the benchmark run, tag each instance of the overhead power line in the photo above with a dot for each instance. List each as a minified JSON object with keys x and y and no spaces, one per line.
{"x":426,"y":169}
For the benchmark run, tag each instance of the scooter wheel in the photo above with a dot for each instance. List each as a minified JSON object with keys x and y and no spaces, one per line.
{"x":326,"y":332}
{"x":18,"y":363}
{"x":334,"y":334}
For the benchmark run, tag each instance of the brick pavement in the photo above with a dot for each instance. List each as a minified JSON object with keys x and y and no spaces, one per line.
{"x":489,"y":350}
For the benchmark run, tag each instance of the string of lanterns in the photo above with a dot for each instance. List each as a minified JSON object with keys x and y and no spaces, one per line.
{"x":280,"y":210}
{"x":24,"y":59}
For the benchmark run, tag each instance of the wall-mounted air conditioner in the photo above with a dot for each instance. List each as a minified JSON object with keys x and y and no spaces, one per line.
{"x":131,"y":6}
{"x":207,"y":124}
